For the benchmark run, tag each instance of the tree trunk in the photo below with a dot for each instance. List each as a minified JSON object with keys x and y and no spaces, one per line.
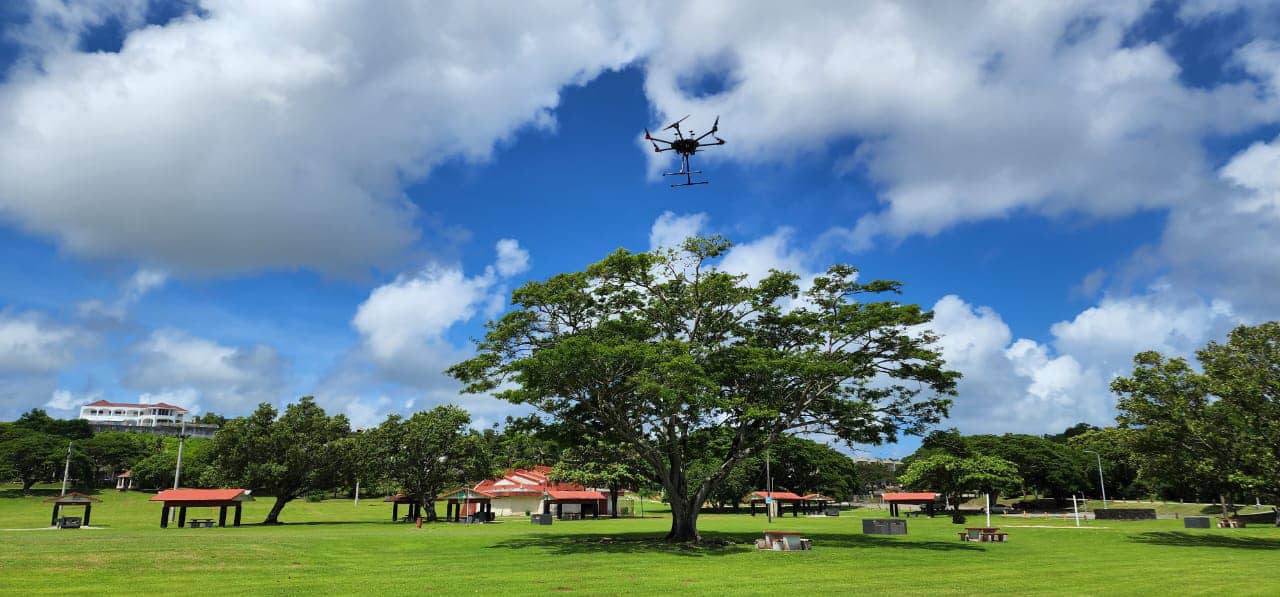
{"x":684,"y":522}
{"x":273,"y":517}
{"x":613,"y":501}
{"x":1225,"y":512}
{"x":684,"y":513}
{"x":429,"y":509}
{"x":1276,"y":509}
{"x":26,"y":486}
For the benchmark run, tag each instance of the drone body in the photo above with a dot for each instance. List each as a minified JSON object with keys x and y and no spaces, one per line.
{"x":685,"y":146}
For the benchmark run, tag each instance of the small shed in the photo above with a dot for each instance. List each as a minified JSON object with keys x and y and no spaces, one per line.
{"x":895,"y":500}
{"x":201,"y":498}
{"x":124,"y":481}
{"x":72,"y":499}
{"x":774,"y":500}
{"x":574,"y":503}
{"x":466,"y":502}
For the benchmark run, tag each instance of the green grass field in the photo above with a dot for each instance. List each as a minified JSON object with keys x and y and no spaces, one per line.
{"x":332,"y":547}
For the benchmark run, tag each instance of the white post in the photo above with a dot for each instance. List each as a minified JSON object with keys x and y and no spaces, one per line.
{"x":988,"y":510}
{"x":1076,"y":508}
{"x":357,"y":504}
{"x":768,"y":486}
{"x":182,"y":439}
{"x":66,"y":470}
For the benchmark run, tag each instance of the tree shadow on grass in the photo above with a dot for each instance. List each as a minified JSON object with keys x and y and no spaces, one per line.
{"x":42,"y":492}
{"x":1204,"y":540}
{"x":713,"y":543}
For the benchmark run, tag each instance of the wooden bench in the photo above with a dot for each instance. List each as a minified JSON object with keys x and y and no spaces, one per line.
{"x":994,"y":537}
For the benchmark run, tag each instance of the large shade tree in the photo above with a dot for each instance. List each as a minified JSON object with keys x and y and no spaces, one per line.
{"x":953,"y":476}
{"x":1182,"y":435}
{"x":645,"y":349}
{"x":428,"y":453}
{"x":1244,"y":372}
{"x":287,"y":456}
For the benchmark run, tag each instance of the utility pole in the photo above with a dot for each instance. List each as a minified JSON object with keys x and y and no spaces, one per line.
{"x":66,"y":470}
{"x":1102,"y":484}
{"x":357,"y":504}
{"x":182,"y":439}
{"x":768,"y":485}
{"x":1075,"y":508}
{"x":177,"y":471}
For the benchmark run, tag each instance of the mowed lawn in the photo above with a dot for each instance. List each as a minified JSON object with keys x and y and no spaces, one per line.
{"x":334,"y":548}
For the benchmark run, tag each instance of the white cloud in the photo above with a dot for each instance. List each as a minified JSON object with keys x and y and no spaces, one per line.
{"x":512,"y":259}
{"x":773,"y":252}
{"x":669,"y":231}
{"x":963,"y":112}
{"x":174,"y":365}
{"x":265,"y":135}
{"x":31,"y":343}
{"x":1023,"y":385}
{"x":68,"y":403}
{"x":139,"y":285}
{"x":404,"y":324}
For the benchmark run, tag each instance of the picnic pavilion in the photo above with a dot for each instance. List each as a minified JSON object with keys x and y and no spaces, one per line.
{"x":201,"y":498}
{"x":415,"y":507}
{"x":896,"y":500}
{"x":574,"y":504}
{"x":464,"y":502}
{"x":778,"y":499}
{"x":72,"y":499}
{"x":817,"y":502}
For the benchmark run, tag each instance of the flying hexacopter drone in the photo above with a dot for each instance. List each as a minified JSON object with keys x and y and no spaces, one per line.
{"x":686,"y":147}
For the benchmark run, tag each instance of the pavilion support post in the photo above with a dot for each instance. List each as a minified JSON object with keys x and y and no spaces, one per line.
{"x":753,"y":507}
{"x":182,"y":516}
{"x":395,"y":511}
{"x":54,"y":521}
{"x":236,"y":522}
{"x":546,"y":507}
{"x":164,"y":517}
{"x":87,"y":509}
{"x":222,"y":516}
{"x":596,"y":513}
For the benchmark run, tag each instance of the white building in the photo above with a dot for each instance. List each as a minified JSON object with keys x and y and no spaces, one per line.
{"x":133,"y":415}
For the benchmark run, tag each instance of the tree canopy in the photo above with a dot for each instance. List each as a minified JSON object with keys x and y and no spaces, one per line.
{"x":427,"y":454}
{"x":645,"y":349}
{"x":287,"y":457}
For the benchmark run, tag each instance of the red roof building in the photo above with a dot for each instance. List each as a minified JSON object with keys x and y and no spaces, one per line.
{"x":529,"y":491}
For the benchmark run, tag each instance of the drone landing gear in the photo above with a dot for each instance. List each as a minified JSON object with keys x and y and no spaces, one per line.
{"x":686,"y":173}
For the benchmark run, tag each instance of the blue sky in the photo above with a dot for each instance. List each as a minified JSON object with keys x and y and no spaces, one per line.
{"x":224,"y":202}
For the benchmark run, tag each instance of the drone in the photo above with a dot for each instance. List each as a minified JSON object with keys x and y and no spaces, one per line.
{"x":686,"y":147}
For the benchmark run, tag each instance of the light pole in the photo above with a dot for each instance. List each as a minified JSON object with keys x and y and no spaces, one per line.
{"x":768,"y":484}
{"x":1102,"y":484}
{"x":66,"y":470}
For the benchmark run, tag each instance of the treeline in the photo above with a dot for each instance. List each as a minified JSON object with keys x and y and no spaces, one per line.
{"x":1206,"y":433}
{"x":303,"y":452}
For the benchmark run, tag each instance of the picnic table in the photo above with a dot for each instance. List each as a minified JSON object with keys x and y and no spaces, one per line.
{"x":201,"y":522}
{"x":983,"y":534}
{"x":784,"y":541}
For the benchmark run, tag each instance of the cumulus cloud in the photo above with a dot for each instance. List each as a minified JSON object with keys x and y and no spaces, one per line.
{"x":512,"y":259}
{"x":405,"y":324}
{"x":669,"y":231}
{"x":173,"y":365}
{"x":261,"y":135}
{"x":963,"y":112}
{"x":68,"y":403}
{"x":1029,"y":386}
{"x":139,"y":285}
{"x":1231,"y":245}
{"x":31,"y":343}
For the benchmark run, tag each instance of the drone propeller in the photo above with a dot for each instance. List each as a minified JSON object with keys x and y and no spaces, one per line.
{"x":673,"y":125}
